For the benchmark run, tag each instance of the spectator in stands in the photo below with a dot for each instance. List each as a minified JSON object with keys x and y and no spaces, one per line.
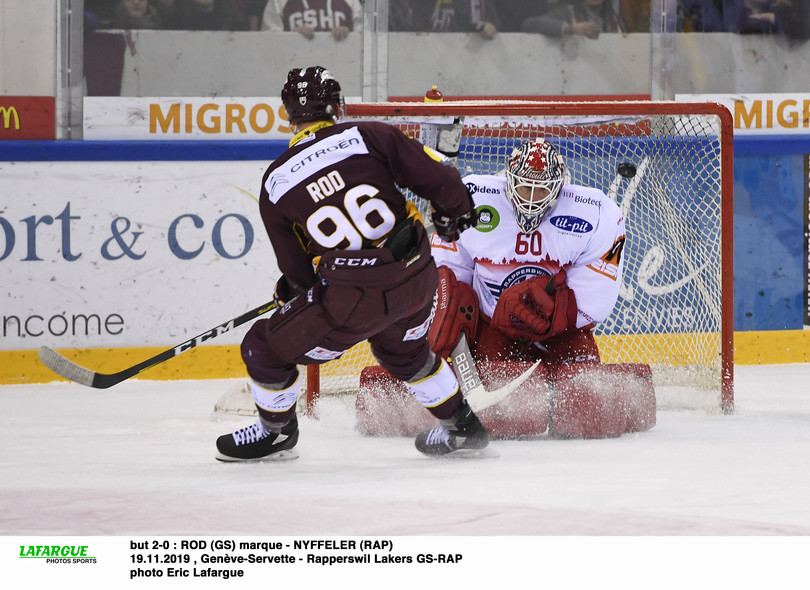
{"x":795,"y":18}
{"x":98,"y":14}
{"x":400,"y":15}
{"x":586,"y":18}
{"x":759,"y":16}
{"x":307,"y":17}
{"x":730,"y":16}
{"x":456,"y":16}
{"x":136,"y":14}
{"x":254,"y":12}
{"x":635,"y":14}
{"x":205,"y":15}
{"x":513,"y":12}
{"x":706,"y":16}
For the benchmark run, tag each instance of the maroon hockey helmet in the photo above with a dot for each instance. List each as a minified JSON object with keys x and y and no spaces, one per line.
{"x":311,"y":94}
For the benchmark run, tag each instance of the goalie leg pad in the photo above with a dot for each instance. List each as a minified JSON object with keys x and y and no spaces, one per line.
{"x":526,"y":411}
{"x":635,"y":379}
{"x":602,"y":401}
{"x":583,"y":406}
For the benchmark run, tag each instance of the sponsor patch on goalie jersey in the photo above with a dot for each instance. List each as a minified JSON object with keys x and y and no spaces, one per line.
{"x":477,"y":188}
{"x":521,"y":274}
{"x":488,"y":218}
{"x":572,"y":224}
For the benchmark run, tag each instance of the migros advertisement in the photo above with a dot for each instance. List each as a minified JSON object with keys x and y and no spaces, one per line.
{"x":762,"y":114}
{"x":184,"y":118}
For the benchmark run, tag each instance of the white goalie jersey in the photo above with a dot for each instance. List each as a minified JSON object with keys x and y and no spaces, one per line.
{"x":582,"y":233}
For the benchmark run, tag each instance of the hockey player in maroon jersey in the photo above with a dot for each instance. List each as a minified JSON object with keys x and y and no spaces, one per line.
{"x":356,"y":265}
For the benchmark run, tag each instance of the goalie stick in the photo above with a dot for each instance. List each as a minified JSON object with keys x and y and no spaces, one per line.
{"x":70,"y":370}
{"x":470,"y":382}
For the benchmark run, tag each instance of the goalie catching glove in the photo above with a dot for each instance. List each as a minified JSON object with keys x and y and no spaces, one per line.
{"x":456,"y":312}
{"x":536,"y":309}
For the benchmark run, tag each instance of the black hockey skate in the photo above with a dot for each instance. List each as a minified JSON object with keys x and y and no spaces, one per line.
{"x":462,"y":434}
{"x":258,"y":443}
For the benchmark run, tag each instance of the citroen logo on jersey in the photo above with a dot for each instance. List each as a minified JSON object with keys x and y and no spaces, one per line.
{"x":275,"y":181}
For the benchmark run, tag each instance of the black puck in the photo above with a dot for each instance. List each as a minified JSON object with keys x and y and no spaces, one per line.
{"x":626,"y":169}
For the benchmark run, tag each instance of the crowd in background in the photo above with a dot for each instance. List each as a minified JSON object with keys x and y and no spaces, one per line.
{"x":553,"y":18}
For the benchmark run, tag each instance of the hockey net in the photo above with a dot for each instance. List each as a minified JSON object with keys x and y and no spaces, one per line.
{"x":669,"y":167}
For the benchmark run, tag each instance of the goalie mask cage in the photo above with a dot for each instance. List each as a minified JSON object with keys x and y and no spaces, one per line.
{"x":669,"y":166}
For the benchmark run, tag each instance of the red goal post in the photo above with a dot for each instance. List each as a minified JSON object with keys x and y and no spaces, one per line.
{"x":669,"y":165}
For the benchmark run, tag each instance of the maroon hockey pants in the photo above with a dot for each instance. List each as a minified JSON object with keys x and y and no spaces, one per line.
{"x":388,"y":303}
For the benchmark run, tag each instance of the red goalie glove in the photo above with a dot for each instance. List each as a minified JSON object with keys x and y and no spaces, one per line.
{"x":456,"y":311}
{"x":536,"y":309}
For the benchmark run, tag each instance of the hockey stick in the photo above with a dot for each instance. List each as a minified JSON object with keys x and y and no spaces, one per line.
{"x":470,"y":382}
{"x":70,"y":370}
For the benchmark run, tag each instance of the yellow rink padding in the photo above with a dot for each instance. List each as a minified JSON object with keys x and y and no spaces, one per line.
{"x":203,"y":362}
{"x":772,"y":347}
{"x":224,"y":362}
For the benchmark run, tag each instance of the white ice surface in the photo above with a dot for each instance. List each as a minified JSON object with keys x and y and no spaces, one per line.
{"x":137,"y":459}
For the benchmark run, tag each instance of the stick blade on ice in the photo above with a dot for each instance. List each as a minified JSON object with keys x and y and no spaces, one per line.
{"x":65,"y":367}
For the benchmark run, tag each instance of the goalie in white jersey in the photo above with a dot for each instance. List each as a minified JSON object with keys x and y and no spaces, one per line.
{"x":542,"y":267}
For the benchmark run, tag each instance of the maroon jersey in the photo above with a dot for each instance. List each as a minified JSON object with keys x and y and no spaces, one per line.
{"x":336,"y":189}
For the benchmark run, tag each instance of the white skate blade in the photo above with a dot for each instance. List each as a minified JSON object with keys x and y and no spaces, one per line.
{"x":281,"y":456}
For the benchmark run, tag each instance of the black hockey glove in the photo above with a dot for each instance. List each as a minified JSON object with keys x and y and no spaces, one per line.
{"x":283,"y":293}
{"x":449,"y":228}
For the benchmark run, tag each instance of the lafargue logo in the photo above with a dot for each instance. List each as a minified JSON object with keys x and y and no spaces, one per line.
{"x":58,"y":553}
{"x":488,"y":218}
{"x":571,"y":224}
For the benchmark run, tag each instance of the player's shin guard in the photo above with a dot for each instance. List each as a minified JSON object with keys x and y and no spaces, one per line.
{"x":276,"y":405}
{"x":460,"y":428}
{"x":435,"y":390}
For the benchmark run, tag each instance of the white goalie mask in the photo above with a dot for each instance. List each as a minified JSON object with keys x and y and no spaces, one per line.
{"x":538,"y":166}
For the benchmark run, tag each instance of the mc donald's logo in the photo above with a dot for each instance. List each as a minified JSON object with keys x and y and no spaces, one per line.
{"x":6,"y":113}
